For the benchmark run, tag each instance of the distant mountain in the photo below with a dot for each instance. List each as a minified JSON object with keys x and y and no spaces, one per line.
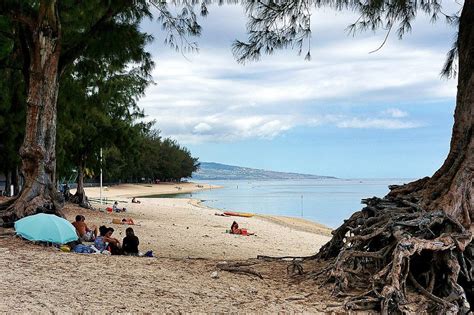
{"x":217,"y":171}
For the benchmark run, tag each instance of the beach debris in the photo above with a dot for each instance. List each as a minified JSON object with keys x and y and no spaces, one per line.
{"x":294,"y":269}
{"x":299,"y":297}
{"x":240,"y":267}
{"x":215,"y":275}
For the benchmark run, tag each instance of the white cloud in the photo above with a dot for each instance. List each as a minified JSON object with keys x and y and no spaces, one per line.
{"x":374,"y":123}
{"x":209,"y":97}
{"x":202,"y":128}
{"x":395,"y":113}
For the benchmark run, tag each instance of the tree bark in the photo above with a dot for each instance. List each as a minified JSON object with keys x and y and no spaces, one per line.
{"x":38,"y":149}
{"x":451,"y":187}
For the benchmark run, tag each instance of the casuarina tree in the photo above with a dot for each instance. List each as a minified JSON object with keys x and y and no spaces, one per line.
{"x":50,"y":46}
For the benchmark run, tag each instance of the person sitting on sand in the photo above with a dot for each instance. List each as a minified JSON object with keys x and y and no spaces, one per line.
{"x":130,"y":243}
{"x":234,"y":229}
{"x":114,"y":244}
{"x":85,"y":233}
{"x":99,"y":242}
{"x":134,"y":200}
{"x":116,"y":208}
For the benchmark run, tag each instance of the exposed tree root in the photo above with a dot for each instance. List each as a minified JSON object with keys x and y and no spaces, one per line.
{"x":80,"y":200}
{"x":393,"y":240}
{"x":32,"y":200}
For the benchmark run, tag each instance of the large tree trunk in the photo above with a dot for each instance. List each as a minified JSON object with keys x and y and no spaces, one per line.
{"x":420,"y":234}
{"x":38,"y":149}
{"x":451,"y":187}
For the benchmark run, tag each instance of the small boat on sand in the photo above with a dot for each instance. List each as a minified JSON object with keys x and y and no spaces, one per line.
{"x":239,"y":214}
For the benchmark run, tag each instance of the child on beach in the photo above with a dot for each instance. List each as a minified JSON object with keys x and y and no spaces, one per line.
{"x":130,"y":243}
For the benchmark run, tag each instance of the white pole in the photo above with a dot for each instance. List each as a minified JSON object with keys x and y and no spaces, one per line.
{"x":301,"y":205}
{"x":100,"y":176}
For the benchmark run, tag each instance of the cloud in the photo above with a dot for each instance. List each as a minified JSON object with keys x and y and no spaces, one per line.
{"x":202,"y":128}
{"x":395,"y":113}
{"x":375,"y":123}
{"x":208,"y":97}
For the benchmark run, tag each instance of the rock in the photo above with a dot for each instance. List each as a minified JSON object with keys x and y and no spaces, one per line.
{"x":214,"y":275}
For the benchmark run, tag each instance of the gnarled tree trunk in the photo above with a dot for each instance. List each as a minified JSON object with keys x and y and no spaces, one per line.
{"x":420,"y":234}
{"x":451,"y":188}
{"x":80,"y":197}
{"x":38,"y":149}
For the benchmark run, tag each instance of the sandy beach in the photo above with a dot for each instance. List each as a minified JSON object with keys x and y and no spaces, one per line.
{"x":188,"y":241}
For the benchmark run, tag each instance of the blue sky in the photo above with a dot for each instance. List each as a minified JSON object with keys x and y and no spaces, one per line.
{"x":345,"y":113}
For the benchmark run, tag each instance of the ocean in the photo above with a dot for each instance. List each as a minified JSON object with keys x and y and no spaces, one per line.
{"x":327,"y":201}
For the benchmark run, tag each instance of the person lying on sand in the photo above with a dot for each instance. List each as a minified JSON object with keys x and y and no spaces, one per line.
{"x":130,"y":243}
{"x":234,"y":229}
{"x":128,"y":221}
{"x":134,"y":200}
{"x":85,"y":233}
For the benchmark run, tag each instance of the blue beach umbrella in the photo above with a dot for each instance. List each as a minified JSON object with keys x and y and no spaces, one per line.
{"x":46,"y":228}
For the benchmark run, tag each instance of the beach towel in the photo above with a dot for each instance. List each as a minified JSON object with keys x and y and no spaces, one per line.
{"x":83,"y":249}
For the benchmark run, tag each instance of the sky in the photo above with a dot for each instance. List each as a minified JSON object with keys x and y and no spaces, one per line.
{"x":347,"y":113}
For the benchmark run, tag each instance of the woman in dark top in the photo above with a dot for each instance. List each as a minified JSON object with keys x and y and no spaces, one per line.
{"x":130,"y":242}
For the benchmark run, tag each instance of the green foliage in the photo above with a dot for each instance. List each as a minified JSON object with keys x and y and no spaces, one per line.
{"x":12,"y":97}
{"x":149,"y":157}
{"x":104,"y":70}
{"x":276,"y":25}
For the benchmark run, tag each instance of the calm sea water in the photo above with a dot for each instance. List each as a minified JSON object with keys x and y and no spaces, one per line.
{"x":327,"y":201}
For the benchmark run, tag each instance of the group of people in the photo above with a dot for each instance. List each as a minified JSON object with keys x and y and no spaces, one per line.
{"x":103,"y":239}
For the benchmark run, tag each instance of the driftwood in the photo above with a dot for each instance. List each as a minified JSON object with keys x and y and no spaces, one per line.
{"x":285,"y":258}
{"x":391,"y":244}
{"x":240,"y":267}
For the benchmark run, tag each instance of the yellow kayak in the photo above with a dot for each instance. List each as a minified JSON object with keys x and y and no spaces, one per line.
{"x":239,"y":214}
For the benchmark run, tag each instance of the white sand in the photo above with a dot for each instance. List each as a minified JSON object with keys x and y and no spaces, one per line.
{"x":181,"y":228}
{"x":36,"y":279}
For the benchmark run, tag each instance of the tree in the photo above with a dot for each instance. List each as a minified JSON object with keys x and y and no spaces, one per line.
{"x":48,"y":50}
{"x":98,"y":99}
{"x":420,"y":231}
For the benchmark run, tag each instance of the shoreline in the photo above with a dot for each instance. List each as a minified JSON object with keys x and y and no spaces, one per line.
{"x":184,"y":227}
{"x":299,"y":224}
{"x":129,"y":191}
